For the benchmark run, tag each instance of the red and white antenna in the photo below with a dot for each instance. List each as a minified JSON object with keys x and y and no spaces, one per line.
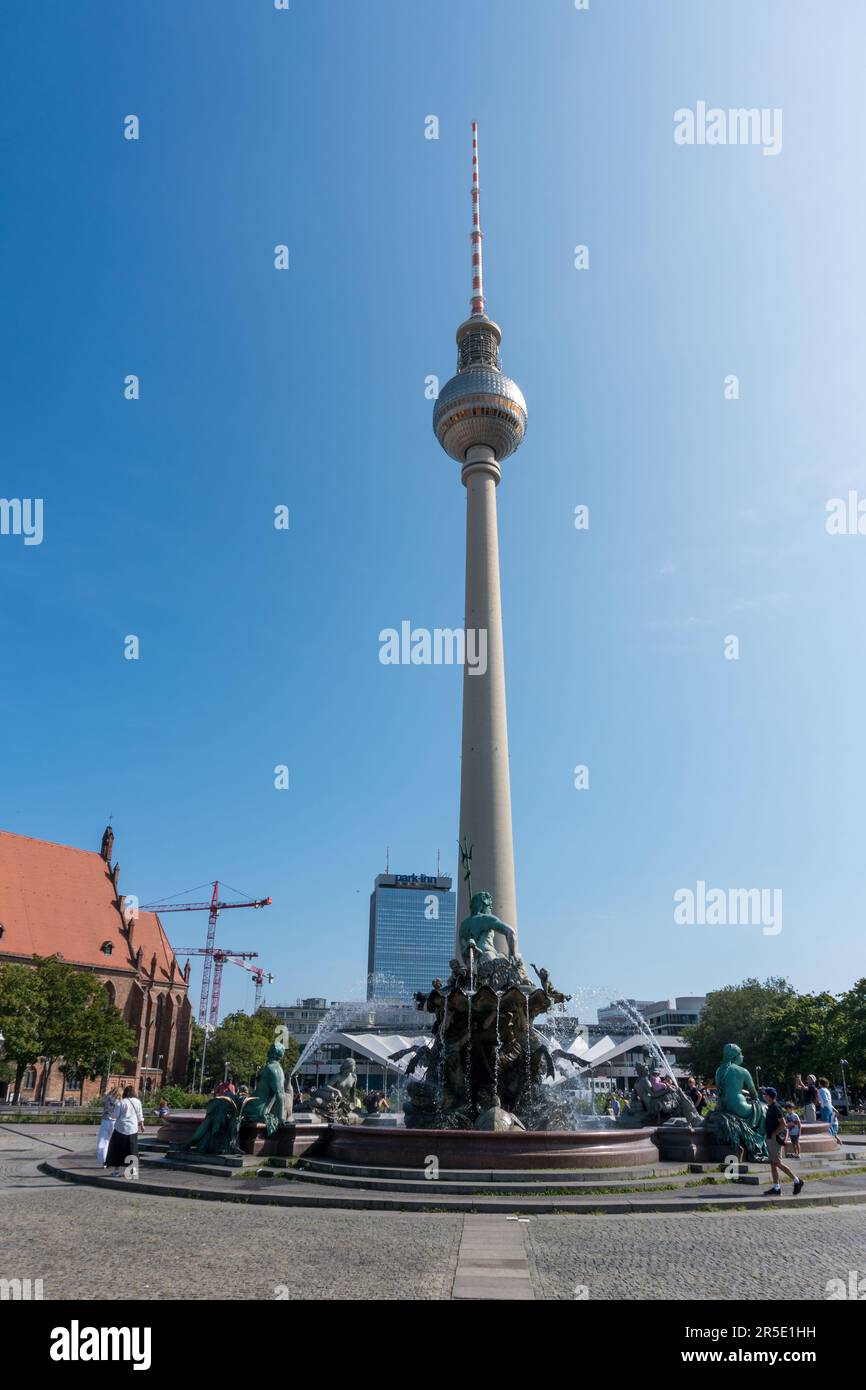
{"x":477,"y":303}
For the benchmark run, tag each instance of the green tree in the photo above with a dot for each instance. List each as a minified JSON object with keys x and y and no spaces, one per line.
{"x":802,"y":1036}
{"x":851,"y":1031}
{"x":196,"y":1043}
{"x":53,"y":1011}
{"x":95,"y":1031}
{"x":79,"y":1023}
{"x":239,"y":1046}
{"x":737,"y":1013}
{"x":22,"y":1011}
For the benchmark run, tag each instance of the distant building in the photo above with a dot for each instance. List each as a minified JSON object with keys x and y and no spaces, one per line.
{"x":612,"y":1020}
{"x":662,"y":1015}
{"x":64,"y":902}
{"x":667,"y":1017}
{"x":412,"y":932}
{"x":301,"y":1018}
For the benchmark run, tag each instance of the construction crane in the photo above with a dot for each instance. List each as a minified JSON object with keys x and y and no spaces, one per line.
{"x":261,"y":977}
{"x":220,"y":956}
{"x":214,"y":908}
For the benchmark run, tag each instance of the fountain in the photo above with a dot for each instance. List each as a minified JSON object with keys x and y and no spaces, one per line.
{"x":489,"y":1088}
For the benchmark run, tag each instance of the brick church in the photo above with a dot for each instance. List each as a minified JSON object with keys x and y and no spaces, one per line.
{"x":55,"y":900}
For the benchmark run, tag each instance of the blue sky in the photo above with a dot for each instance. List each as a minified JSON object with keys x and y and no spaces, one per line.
{"x":306,"y":388}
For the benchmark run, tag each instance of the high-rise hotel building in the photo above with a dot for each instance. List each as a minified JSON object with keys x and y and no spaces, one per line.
{"x":412,"y":924}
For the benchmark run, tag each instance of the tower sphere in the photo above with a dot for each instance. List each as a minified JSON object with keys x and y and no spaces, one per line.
{"x":480,"y":405}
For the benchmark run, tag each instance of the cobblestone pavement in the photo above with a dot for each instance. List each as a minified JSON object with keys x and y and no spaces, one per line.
{"x":706,"y":1255}
{"x":86,"y":1243}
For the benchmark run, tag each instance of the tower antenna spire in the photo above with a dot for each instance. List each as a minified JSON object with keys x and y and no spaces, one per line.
{"x":477,"y":302}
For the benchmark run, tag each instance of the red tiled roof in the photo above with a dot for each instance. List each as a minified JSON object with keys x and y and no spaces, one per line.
{"x":55,"y":899}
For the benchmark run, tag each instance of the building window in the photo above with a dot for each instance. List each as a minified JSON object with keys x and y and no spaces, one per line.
{"x":106,"y":948}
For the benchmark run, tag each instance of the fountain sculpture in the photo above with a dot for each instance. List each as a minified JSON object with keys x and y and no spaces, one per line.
{"x":485,"y":1061}
{"x":271,"y":1107}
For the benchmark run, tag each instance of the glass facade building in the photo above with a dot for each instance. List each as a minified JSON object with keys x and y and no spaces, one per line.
{"x":412,"y":929}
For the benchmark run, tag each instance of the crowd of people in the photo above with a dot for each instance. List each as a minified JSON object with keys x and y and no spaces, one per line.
{"x":783,"y":1121}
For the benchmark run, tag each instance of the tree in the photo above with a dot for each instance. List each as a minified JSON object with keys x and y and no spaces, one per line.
{"x":240,"y":1045}
{"x":96,"y":1031}
{"x":22,"y":1008}
{"x":196,"y":1043}
{"x":851,"y":1030}
{"x":802,"y":1036}
{"x":737,"y":1013}
{"x":79,"y":1023}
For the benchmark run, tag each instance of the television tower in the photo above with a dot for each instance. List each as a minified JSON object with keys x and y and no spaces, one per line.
{"x":479,"y":419}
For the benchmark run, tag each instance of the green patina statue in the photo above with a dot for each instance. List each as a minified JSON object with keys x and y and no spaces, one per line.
{"x":484,"y":1062}
{"x":271,"y":1105}
{"x":738,"y":1119}
{"x":477,"y":931}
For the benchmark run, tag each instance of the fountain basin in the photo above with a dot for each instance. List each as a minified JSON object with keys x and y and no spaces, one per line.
{"x":678,"y":1144}
{"x":471,"y":1148}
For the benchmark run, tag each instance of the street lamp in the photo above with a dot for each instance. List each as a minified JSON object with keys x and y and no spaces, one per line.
{"x":843,"y":1063}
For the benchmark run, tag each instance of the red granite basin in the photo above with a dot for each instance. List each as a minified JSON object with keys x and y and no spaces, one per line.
{"x":470,"y":1148}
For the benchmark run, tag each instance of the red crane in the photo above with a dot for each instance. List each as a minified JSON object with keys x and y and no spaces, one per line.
{"x":259,"y":975}
{"x":220,"y":955}
{"x":214,"y":908}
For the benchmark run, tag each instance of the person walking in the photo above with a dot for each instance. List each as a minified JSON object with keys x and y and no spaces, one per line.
{"x":825,"y":1100}
{"x":128,"y":1124}
{"x":106,"y":1126}
{"x":777,"y":1132}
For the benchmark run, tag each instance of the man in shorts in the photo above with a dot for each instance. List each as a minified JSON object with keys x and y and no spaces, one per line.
{"x":777,"y":1131}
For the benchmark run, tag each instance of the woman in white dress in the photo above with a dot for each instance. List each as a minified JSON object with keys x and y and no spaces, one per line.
{"x":106,"y":1128}
{"x":128,"y":1124}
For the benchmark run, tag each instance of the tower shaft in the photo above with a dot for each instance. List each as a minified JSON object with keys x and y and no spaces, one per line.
{"x":485,"y":791}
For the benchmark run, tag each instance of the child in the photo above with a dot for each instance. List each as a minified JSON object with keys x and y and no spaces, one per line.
{"x":834,"y":1126}
{"x":792,"y":1122}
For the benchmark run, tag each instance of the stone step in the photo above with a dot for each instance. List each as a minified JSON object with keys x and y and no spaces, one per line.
{"x":190,"y":1183}
{"x":211,"y":1164}
{"x":469,"y":1186}
{"x":549,"y":1177}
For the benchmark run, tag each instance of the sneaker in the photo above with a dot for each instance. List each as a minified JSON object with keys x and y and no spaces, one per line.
{"x":773,"y":1192}
{"x":798,"y":1186}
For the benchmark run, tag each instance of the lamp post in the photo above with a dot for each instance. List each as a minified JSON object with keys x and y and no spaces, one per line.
{"x":108,"y":1072}
{"x":843,"y":1063}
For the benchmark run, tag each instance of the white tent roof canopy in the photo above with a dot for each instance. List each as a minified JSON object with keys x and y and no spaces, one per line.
{"x":378,"y":1047}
